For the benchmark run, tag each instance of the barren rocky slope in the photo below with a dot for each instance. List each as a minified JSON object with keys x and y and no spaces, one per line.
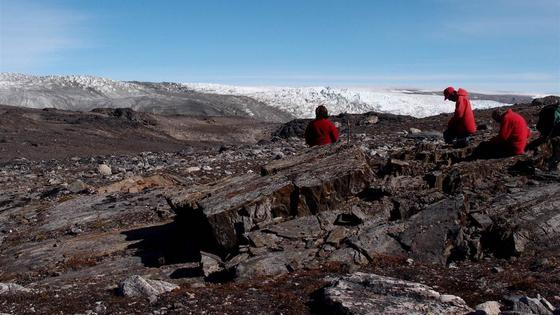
{"x":50,"y":133}
{"x":393,"y":219}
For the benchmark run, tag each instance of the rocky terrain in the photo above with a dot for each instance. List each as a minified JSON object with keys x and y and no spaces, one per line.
{"x":119,"y":212}
{"x":49,"y":133}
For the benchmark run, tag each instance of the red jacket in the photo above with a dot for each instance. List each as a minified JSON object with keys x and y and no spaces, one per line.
{"x":513,"y":132}
{"x":321,"y":131}
{"x":462,"y":122}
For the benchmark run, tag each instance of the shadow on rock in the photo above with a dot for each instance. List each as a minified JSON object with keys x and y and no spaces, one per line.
{"x":164,"y":244}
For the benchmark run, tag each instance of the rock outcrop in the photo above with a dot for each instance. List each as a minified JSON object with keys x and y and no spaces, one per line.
{"x":318,"y":180}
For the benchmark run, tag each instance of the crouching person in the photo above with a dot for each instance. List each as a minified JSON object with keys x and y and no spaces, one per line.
{"x":549,"y":136}
{"x":510,"y":141}
{"x":462,"y":125}
{"x":321,"y":130}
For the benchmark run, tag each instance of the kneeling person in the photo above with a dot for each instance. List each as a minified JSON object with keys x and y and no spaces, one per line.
{"x":512,"y":138}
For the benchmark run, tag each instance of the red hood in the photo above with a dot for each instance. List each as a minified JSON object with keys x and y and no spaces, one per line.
{"x":462,"y":92}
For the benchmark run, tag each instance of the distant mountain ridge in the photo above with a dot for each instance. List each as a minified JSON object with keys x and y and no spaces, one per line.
{"x":84,"y":93}
{"x":277,"y":104}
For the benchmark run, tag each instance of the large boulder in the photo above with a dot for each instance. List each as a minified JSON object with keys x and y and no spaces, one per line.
{"x":363,"y":293}
{"x":318,"y":180}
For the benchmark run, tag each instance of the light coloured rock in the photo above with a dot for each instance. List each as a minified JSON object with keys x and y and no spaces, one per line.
{"x":12,"y":288}
{"x":136,"y":184}
{"x":488,"y":308}
{"x":192,"y":169}
{"x":363,"y":293}
{"x":414,"y":130}
{"x":136,"y":286}
{"x":77,"y":186}
{"x":211,"y":264}
{"x":104,"y":169}
{"x":372,"y":120}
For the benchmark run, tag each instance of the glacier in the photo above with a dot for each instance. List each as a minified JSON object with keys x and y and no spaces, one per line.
{"x":301,"y":101}
{"x":271,"y":103}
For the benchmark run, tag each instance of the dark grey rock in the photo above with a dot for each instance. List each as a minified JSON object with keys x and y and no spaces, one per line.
{"x":482,"y":220}
{"x":547,"y":100}
{"x":426,"y":234}
{"x":378,"y":239}
{"x":299,"y":228}
{"x":527,"y":305}
{"x":273,"y":263}
{"x":263,"y":239}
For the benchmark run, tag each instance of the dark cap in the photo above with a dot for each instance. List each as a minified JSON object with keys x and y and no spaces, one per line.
{"x":450,"y":90}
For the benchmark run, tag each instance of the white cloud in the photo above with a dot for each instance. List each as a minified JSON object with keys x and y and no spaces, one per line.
{"x":31,"y":34}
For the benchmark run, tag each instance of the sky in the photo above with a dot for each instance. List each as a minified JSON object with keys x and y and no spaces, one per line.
{"x":485,"y":45}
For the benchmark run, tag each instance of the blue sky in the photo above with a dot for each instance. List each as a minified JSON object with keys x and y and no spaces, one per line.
{"x":507,"y":45}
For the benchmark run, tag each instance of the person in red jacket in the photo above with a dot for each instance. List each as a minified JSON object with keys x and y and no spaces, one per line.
{"x":514,"y":131}
{"x":462,"y":124}
{"x":321,"y":130}
{"x":511,"y":139}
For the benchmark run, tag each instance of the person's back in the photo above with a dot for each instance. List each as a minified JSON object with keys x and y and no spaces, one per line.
{"x":463,"y":117}
{"x":514,"y":132}
{"x":549,"y":131}
{"x":321,"y":131}
{"x":549,"y":121}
